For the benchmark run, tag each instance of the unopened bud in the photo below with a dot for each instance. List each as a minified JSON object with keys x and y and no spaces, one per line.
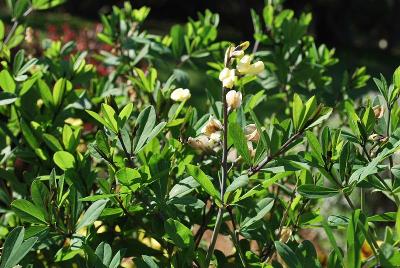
{"x":180,"y":94}
{"x":233,"y":99}
{"x":244,"y":45}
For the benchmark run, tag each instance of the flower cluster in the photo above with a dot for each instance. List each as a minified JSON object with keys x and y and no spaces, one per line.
{"x":211,"y":132}
{"x":228,"y":76}
{"x":210,"y":136}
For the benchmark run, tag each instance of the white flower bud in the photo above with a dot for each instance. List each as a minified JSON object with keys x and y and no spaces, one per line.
{"x":212,"y":126}
{"x":233,"y":99}
{"x":180,"y":94}
{"x":227,"y":77}
{"x":251,"y":133}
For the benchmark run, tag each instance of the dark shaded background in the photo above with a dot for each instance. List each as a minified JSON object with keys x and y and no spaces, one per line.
{"x":354,"y":27}
{"x":357,"y":23}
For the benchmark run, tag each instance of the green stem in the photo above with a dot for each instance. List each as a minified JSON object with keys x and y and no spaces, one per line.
{"x":127,"y":154}
{"x":235,"y":237}
{"x":388,"y":133}
{"x":223,"y":180}
{"x":214,"y":236}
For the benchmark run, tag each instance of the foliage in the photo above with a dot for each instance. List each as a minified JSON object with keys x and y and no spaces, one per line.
{"x":108,"y":170}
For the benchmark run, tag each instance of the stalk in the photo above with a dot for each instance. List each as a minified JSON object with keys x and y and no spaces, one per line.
{"x":223,"y":180}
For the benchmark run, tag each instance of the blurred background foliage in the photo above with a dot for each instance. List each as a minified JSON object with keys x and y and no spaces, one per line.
{"x":364,"y":32}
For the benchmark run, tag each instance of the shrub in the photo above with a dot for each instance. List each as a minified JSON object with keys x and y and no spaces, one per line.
{"x":133,"y":154}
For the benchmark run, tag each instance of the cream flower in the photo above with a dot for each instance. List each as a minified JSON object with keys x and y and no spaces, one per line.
{"x":244,"y":66}
{"x":201,"y":142}
{"x":216,"y":136}
{"x":212,"y":126}
{"x":74,"y":121}
{"x":233,"y":99}
{"x":251,"y":133}
{"x":227,"y":77}
{"x":237,"y":53}
{"x":180,"y":94}
{"x":379,"y":111}
{"x":251,"y":149}
{"x":257,"y":67}
{"x":232,"y":156}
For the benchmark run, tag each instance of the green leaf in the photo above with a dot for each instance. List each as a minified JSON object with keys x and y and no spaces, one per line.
{"x":177,"y":34}
{"x":45,"y":93}
{"x":127,"y":176}
{"x":91,"y":214}
{"x":355,"y":239}
{"x":183,"y":187}
{"x":180,"y":235}
{"x":309,"y":109}
{"x":268,"y":15}
{"x":396,"y":77}
{"x":93,"y":198}
{"x":298,"y":111}
{"x":116,"y":260}
{"x":398,"y":222}
{"x":287,"y":254}
{"x":13,"y":242}
{"x":104,"y":253}
{"x":61,"y":86}
{"x":99,"y":119}
{"x":146,"y":130}
{"x":2,"y":30}
{"x":64,"y":160}
{"x":332,"y":241}
{"x":324,"y":114}
{"x":368,"y":120}
{"x":7,"y":82}
{"x":240,"y":141}
{"x":40,"y":195}
{"x":28,"y":135}
{"x":28,"y":211}
{"x":110,"y":117}
{"x":20,"y":7}
{"x":266,"y":204}
{"x":15,"y":249}
{"x":102,"y":142}
{"x":314,"y":191}
{"x":237,"y":183}
{"x":203,"y":180}
{"x":315,"y":146}
{"x":7,"y":98}
{"x":46,"y":4}
{"x":124,"y":114}
{"x":52,"y":142}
